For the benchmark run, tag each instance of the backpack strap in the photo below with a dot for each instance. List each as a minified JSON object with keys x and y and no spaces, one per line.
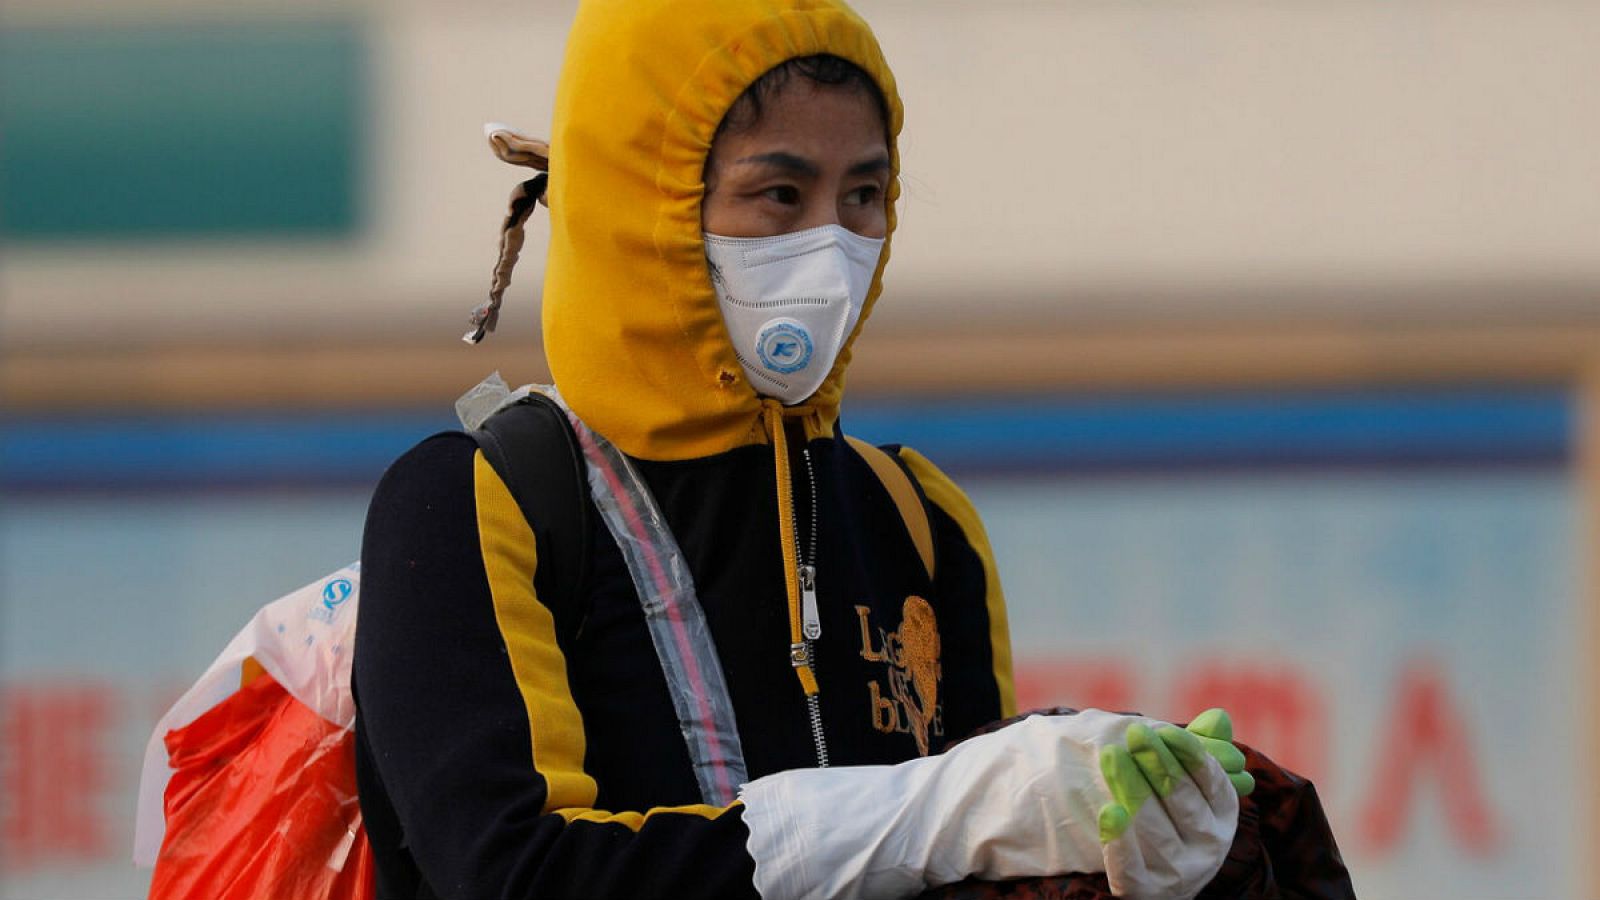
{"x":531,"y":447}
{"x":558,"y":470}
{"x":907,"y":499}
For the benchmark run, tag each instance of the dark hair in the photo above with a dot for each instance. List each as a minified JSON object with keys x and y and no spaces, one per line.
{"x":822,"y":69}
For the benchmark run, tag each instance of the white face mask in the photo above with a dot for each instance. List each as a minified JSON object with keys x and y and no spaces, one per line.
{"x":790,"y":302}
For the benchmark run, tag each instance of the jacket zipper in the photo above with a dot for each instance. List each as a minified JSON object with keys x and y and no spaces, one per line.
{"x":811,"y":620}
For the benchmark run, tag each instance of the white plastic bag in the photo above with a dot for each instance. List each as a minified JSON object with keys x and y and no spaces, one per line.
{"x":304,"y":640}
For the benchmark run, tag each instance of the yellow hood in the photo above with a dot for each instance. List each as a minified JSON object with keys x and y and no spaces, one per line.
{"x":631,"y":325}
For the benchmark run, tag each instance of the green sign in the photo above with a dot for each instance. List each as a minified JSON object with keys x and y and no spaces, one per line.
{"x":186,"y":131}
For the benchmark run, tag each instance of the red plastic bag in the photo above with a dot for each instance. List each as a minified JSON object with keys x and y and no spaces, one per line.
{"x":262,"y":804}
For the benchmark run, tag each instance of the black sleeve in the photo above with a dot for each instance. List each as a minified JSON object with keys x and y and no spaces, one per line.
{"x":469,"y":743}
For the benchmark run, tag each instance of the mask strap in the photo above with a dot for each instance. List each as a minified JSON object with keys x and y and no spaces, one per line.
{"x":518,"y":150}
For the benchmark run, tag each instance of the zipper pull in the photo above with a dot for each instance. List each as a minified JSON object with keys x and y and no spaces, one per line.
{"x":810,"y":620}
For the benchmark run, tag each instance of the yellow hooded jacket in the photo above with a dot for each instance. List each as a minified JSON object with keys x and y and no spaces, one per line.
{"x":632,"y":329}
{"x":506,"y":748}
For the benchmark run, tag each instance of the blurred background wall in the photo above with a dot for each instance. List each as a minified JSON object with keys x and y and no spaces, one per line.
{"x":1266,"y":337}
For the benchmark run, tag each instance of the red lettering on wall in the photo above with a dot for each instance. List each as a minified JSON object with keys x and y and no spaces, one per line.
{"x":1425,"y":735}
{"x":54,"y":773}
{"x":1273,"y":708}
{"x":1082,"y":684}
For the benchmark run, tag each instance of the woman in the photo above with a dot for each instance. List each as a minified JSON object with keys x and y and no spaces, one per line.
{"x":722,"y":187}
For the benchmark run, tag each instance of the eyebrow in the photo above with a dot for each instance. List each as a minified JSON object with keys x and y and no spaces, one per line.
{"x":802,"y":166}
{"x":781,"y":160}
{"x":870,"y":167}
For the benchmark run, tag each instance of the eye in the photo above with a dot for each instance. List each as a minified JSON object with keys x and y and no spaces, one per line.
{"x":862,"y":196}
{"x":787,"y":194}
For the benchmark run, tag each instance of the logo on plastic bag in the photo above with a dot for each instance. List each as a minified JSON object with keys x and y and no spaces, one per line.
{"x":334,"y":596}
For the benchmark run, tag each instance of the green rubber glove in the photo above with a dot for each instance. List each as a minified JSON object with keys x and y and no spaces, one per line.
{"x":1152,"y":761}
{"x":1214,"y":730}
{"x":1134,"y":771}
{"x":1129,"y":791}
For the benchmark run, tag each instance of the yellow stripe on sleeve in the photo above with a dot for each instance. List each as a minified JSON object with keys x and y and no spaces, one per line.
{"x":635,"y":820}
{"x":943,"y":493}
{"x":529,"y":630}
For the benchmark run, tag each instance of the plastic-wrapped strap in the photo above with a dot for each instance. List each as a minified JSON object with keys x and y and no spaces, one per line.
{"x":671,"y":609}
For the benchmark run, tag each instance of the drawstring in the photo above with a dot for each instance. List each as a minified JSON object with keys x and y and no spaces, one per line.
{"x":773,"y":414}
{"x":517,"y":150}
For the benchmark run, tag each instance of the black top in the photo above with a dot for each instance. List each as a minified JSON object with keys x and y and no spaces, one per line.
{"x":506,"y":752}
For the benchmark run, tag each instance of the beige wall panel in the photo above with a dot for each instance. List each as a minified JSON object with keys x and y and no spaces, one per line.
{"x":1066,"y":163}
{"x":431,"y":374}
